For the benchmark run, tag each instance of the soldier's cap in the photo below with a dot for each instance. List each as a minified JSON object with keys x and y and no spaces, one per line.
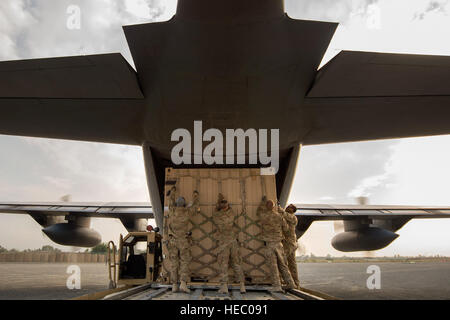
{"x":224,"y":204}
{"x":293,"y":207}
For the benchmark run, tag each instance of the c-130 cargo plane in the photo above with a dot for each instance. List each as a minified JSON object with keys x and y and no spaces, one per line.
{"x":231,"y":64}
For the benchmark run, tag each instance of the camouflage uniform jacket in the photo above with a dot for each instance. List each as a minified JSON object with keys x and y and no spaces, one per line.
{"x":179,"y":222}
{"x":227,"y":230}
{"x":179,"y":217}
{"x":272,"y":224}
{"x":290,"y":238}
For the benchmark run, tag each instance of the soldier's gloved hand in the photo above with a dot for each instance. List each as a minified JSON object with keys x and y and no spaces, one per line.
{"x":195,"y":199}
{"x":171,"y":191}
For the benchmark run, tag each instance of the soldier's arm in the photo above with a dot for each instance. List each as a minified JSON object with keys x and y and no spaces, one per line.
{"x":262,"y":206}
{"x":236,"y":228}
{"x":284,"y":224}
{"x":195,"y":206}
{"x":172,"y":198}
{"x":216,"y":224}
{"x":169,"y":223}
{"x":290,"y":218}
{"x":280,"y":209}
{"x":220,"y":197}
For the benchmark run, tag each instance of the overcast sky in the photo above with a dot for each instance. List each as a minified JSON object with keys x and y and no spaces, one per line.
{"x":406,"y":171}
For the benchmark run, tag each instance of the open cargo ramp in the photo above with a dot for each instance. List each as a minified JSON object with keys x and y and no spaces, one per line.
{"x":209,"y":292}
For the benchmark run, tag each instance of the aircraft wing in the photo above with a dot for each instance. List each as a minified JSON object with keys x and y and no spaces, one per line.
{"x":349,"y":212}
{"x":91,"y":98}
{"x":366,"y":96}
{"x":94,"y":210}
{"x":389,"y":217}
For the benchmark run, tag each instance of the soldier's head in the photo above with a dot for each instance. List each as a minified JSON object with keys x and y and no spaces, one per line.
{"x":223,"y":204}
{"x":291,"y":209}
{"x":270,"y":204}
{"x":181,"y":202}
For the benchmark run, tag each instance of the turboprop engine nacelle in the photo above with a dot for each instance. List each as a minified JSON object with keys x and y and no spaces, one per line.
{"x":366,"y":239}
{"x":70,"y":234}
{"x":75,"y":232}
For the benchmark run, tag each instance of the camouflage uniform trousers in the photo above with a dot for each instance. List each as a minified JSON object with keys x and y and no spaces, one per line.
{"x":229,"y":252}
{"x":180,"y":258}
{"x":289,"y":251}
{"x":277,"y":263}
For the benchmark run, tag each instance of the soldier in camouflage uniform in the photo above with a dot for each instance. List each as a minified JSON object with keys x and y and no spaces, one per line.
{"x":227,"y":244}
{"x":290,"y":240}
{"x":179,"y":241}
{"x":272,"y":225}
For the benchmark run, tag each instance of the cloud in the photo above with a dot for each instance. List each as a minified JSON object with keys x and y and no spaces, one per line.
{"x":146,"y":9}
{"x":44,"y":170}
{"x":364,"y":189}
{"x":329,"y":10}
{"x":38,"y":28}
{"x":14,"y":18}
{"x":411,"y":171}
{"x":392,"y":28}
{"x":435,"y":6}
{"x":335,"y":170}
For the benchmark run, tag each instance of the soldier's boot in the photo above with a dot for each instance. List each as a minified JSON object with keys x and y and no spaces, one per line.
{"x":184,"y":288}
{"x":276,"y":288}
{"x":175,"y":287}
{"x":242,"y":287}
{"x":223,"y":288}
{"x":291,"y":285}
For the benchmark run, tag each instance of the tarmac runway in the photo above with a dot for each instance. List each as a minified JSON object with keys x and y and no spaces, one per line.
{"x":47,"y":281}
{"x":398,"y":281}
{"x":425,"y":280}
